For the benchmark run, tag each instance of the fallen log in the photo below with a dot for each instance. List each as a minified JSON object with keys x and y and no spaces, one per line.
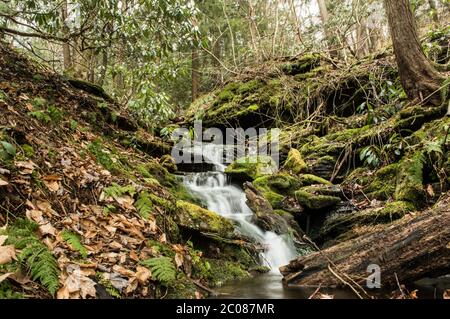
{"x":414,"y":247}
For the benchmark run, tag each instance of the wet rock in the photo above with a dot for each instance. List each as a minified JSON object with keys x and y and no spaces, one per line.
{"x":196,"y":218}
{"x":313,"y":201}
{"x":251,"y":167}
{"x":266,"y":217}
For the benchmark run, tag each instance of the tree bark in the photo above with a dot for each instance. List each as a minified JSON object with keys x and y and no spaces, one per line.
{"x":66,"y":46}
{"x":331,"y":40}
{"x":420,"y":80}
{"x":412,"y":248}
{"x":195,"y":74}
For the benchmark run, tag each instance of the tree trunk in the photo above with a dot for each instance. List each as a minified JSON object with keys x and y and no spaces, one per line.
{"x":195,"y":74}
{"x":412,"y":248}
{"x":331,"y":40}
{"x":420,"y":80}
{"x":66,"y":46}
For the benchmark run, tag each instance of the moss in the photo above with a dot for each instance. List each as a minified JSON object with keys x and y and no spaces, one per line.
{"x":383,"y":185}
{"x":169,"y":163}
{"x":309,"y":179}
{"x":275,"y":187}
{"x":222,"y":271}
{"x":251,"y":167}
{"x":197,"y":218}
{"x":410,"y":179}
{"x":295,"y":162}
{"x":28,"y":150}
{"x":303,"y":64}
{"x":315,"y":202}
{"x":182,"y":288}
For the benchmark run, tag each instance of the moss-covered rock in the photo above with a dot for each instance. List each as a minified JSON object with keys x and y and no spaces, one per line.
{"x":194,"y":217}
{"x":315,"y":202}
{"x":383,"y":186}
{"x":295,"y":162}
{"x":276,"y":187}
{"x":222,"y":271}
{"x":169,"y":163}
{"x":309,"y":179}
{"x":410,"y":179}
{"x":251,"y":167}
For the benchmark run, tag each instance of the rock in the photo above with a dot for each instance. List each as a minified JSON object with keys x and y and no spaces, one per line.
{"x":266,"y":217}
{"x":410,"y":179}
{"x":275,"y":188}
{"x":309,"y":179}
{"x":315,"y":202}
{"x":328,"y":190}
{"x":169,"y":163}
{"x":194,"y":217}
{"x":295,"y":162}
{"x":251,"y":167}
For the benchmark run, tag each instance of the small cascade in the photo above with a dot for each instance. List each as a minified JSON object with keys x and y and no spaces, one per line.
{"x":229,"y":201}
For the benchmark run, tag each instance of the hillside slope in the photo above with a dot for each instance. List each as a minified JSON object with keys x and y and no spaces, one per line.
{"x":88,"y":207}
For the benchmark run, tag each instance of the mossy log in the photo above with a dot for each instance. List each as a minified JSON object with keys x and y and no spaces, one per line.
{"x":411,"y":248}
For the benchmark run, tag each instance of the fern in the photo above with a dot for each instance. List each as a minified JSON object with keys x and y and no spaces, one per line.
{"x":144,"y":205}
{"x":39,"y":259}
{"x":115,"y":190}
{"x":162,"y":269}
{"x":74,"y":241}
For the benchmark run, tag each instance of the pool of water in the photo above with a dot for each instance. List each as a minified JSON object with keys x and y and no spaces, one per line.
{"x":270,"y":286}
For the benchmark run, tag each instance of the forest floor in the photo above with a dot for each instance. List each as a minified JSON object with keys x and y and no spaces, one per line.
{"x":90,"y":206}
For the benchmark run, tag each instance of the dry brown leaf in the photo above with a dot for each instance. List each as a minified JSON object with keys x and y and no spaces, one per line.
{"x":46,"y":208}
{"x":35,"y":215}
{"x":3,"y":183}
{"x":134,"y":256}
{"x":7,"y":254}
{"x":76,"y":284}
{"x":26,"y":167}
{"x":132,"y":285}
{"x":5,"y":276}
{"x":179,"y":260}
{"x":53,"y":186}
{"x":143,"y":274}
{"x":126,"y":202}
{"x":123,"y":271}
{"x":3,"y":239}
{"x":47,"y":229}
{"x":446,"y":294}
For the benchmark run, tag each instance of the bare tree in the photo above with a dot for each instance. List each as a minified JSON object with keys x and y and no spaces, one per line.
{"x":325,"y":17}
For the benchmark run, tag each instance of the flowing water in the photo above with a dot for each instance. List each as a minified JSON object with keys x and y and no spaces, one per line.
{"x":229,"y":201}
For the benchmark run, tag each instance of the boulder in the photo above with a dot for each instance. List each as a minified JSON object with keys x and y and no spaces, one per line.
{"x":312,"y":201}
{"x":295,"y":163}
{"x":196,"y":218}
{"x":251,"y":167}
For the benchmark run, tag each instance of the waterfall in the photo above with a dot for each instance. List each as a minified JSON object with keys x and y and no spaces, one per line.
{"x":229,"y":201}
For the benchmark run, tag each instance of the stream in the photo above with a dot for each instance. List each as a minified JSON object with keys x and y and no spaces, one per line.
{"x":228,"y":200}
{"x":219,"y":195}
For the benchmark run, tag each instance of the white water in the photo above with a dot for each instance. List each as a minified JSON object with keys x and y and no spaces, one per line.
{"x":230,"y":202}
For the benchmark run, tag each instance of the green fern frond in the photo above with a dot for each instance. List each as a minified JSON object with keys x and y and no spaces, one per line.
{"x":36,"y":255}
{"x":144,"y":205}
{"x":162,"y":269}
{"x":115,"y":190}
{"x":74,"y":241}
